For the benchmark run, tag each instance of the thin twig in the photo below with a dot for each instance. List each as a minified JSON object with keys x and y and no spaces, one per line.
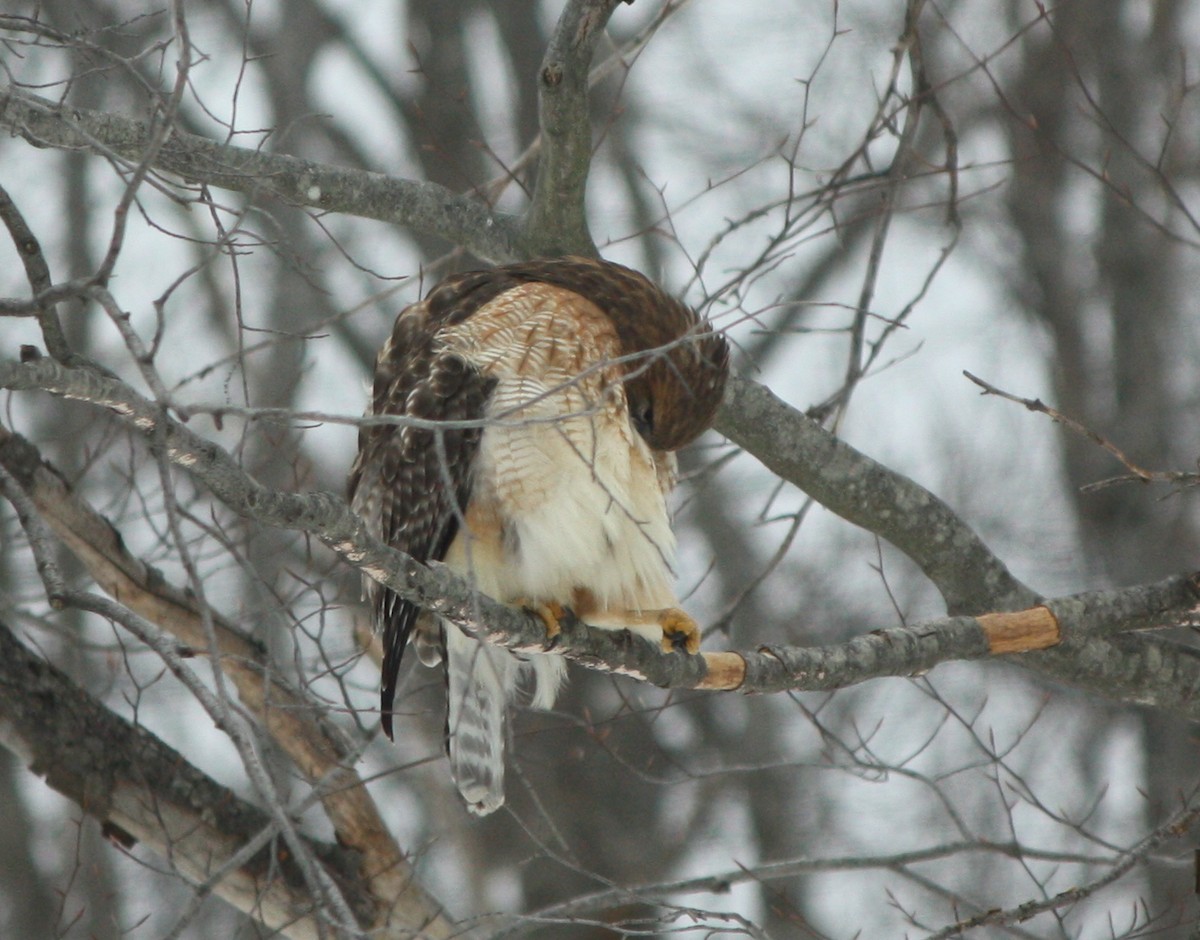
{"x":1175,"y":827}
{"x":1137,"y":474}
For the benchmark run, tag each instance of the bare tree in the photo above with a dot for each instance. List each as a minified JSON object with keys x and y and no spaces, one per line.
{"x":215,"y":212}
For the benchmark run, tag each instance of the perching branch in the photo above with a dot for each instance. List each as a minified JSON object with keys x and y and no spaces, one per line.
{"x":1078,"y":621}
{"x":1129,"y":667}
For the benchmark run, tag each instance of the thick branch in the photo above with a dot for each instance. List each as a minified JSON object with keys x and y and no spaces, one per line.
{"x":287,"y":713}
{"x":969,"y":576}
{"x":556,"y":223}
{"x":904,"y":651}
{"x":426,"y":207}
{"x":143,"y":791}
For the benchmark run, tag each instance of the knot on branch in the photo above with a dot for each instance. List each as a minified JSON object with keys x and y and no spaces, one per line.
{"x":1193,"y":584}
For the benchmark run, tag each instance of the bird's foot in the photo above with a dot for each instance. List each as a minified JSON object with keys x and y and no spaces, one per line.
{"x":551,"y":614}
{"x":680,"y":632}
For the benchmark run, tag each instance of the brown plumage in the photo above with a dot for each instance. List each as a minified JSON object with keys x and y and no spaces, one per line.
{"x":575,"y":379}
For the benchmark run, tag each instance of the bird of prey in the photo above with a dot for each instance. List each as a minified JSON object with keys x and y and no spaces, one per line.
{"x":547,"y":401}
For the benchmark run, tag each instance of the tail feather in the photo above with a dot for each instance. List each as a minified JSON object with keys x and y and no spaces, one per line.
{"x":480,"y":680}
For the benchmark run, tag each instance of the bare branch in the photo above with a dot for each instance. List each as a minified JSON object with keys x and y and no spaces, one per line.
{"x":969,"y":576}
{"x":898,"y":651}
{"x":1175,"y":827}
{"x":770,"y":871}
{"x":37,"y":272}
{"x":907,"y":48}
{"x":290,"y":716}
{"x":556,"y":223}
{"x":143,"y":791}
{"x":1137,"y":474}
{"x":426,"y":207}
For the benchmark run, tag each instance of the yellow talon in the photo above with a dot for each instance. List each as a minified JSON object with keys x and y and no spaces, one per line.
{"x":677,"y":625}
{"x":551,"y":614}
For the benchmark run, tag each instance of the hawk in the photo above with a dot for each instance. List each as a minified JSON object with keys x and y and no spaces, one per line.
{"x":565,"y":386}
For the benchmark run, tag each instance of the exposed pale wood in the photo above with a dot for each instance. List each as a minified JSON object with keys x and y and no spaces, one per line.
{"x":1017,"y":632}
{"x":726,"y":671}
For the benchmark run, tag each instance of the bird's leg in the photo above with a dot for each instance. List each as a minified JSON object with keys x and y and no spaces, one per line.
{"x":674,"y":629}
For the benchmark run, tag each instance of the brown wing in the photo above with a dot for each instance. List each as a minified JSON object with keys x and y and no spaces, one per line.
{"x":412,"y":484}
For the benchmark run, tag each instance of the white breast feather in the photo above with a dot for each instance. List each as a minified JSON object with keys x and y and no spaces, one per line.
{"x":580,"y":497}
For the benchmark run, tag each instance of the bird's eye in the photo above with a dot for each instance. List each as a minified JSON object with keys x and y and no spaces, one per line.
{"x":642,"y":414}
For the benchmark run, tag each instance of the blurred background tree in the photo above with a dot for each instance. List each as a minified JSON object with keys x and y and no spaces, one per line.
{"x":869,"y":199}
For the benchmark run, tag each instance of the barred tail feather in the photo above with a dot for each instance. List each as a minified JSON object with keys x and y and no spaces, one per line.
{"x":480,"y":680}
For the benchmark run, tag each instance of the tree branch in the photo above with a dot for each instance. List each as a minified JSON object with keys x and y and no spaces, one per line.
{"x":426,"y":207}
{"x":1137,"y":473}
{"x":605,"y":899}
{"x":969,"y":576}
{"x":37,"y":272}
{"x":1172,"y":829}
{"x":556,"y":222}
{"x":143,"y":791}
{"x":288,"y":714}
{"x":1077,"y":621}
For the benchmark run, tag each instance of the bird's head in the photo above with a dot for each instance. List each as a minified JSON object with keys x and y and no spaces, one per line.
{"x":675,"y":364}
{"x":675,"y":387}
